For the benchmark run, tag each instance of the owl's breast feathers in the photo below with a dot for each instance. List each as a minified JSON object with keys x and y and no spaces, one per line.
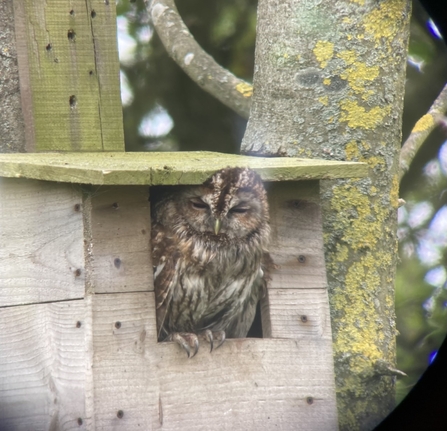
{"x":206,"y":282}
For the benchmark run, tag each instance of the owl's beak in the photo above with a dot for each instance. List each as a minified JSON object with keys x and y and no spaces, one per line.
{"x":217,"y":226}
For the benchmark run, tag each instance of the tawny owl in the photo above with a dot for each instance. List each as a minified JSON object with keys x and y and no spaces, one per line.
{"x":209,"y":247}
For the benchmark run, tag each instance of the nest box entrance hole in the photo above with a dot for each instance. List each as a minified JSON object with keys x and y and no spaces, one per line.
{"x":296,"y":246}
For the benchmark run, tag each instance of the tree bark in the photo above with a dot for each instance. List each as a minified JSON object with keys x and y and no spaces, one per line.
{"x":329,"y":83}
{"x":12,"y":136}
{"x":181,"y":46}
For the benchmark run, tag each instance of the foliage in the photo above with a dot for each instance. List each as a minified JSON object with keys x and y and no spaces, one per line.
{"x":421,"y":286}
{"x":160,"y":93}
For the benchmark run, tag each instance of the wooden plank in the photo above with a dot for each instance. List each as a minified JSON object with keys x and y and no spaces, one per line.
{"x":41,"y":236}
{"x":107,"y":71}
{"x":298,"y":313}
{"x":118,"y":232}
{"x":296,"y":235}
{"x":165,"y":168}
{"x":245,"y":384}
{"x":123,"y":336}
{"x":42,"y":367}
{"x":69,"y":73}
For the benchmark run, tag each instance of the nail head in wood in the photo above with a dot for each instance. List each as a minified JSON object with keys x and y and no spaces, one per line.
{"x":71,"y":34}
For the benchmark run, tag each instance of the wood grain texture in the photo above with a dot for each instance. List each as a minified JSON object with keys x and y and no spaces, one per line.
{"x":41,"y":236}
{"x":42,"y":367}
{"x":128,"y":380}
{"x":281,"y":382}
{"x":296,"y":235}
{"x":165,"y":168}
{"x":118,"y":232}
{"x":107,"y":71}
{"x":70,"y":72}
{"x":124,"y":329}
{"x":298,"y":313}
{"x":246,"y":384}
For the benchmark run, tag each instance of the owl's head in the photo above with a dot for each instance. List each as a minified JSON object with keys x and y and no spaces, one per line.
{"x":232,"y":203}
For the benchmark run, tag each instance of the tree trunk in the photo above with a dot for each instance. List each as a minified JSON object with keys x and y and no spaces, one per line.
{"x":12,"y":136}
{"x":329,"y":83}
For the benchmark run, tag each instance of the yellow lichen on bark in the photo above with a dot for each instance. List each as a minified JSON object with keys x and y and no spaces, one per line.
{"x":245,"y":89}
{"x":358,"y":74}
{"x":358,"y":117}
{"x":323,"y":52}
{"x":394,"y":194}
{"x":362,"y":224}
{"x":385,"y":21}
{"x":324,"y":100}
{"x":355,"y":234}
{"x":362,"y":334}
{"x":353,"y":153}
{"x":426,"y":122}
{"x":348,"y":56}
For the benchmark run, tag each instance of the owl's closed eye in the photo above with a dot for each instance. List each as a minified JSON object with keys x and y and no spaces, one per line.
{"x":210,"y":248}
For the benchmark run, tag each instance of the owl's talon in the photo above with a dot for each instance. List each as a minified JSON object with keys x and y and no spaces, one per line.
{"x":209,"y":337}
{"x":187,"y":341}
{"x":220,"y":337}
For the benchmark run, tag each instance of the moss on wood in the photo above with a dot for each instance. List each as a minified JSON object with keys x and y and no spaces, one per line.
{"x":165,"y":168}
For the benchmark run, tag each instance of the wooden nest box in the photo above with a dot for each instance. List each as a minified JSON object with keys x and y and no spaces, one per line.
{"x":78,"y":339}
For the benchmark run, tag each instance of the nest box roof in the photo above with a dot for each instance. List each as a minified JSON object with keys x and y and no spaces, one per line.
{"x":120,"y":168}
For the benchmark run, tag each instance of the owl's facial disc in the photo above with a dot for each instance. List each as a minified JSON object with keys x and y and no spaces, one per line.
{"x":237,"y":218}
{"x":198,"y":204}
{"x":240,"y":208}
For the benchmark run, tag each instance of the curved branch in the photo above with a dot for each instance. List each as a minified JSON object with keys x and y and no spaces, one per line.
{"x":421,"y":130}
{"x":201,"y":67}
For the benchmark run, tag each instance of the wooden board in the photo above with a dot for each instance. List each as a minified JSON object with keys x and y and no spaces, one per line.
{"x":165,"y":168}
{"x":69,"y":75}
{"x":130,"y":381}
{"x":42,"y":367}
{"x":118,"y":233}
{"x":296,"y":235}
{"x":297,"y":313}
{"x":41,"y":236}
{"x":269,"y":383}
{"x":246,"y":384}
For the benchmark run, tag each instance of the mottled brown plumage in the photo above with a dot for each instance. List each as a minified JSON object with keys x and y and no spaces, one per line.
{"x":209,"y":245}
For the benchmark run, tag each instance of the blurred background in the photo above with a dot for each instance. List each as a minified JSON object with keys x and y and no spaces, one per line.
{"x":165,"y":111}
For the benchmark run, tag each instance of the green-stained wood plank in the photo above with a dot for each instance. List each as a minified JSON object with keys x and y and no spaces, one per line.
{"x":103,"y":14}
{"x":70,"y":75}
{"x":165,"y":168}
